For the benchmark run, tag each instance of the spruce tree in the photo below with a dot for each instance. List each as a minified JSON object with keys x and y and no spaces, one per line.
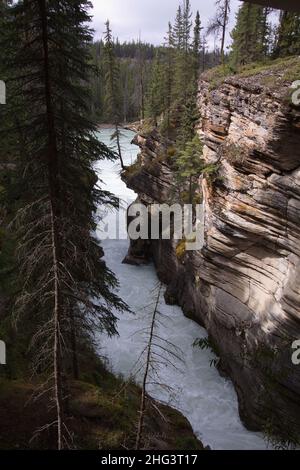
{"x":186,"y":25}
{"x":178,"y":30}
{"x":249,"y":35}
{"x":168,"y":90}
{"x":66,"y":287}
{"x":156,"y":93}
{"x":197,"y":47}
{"x":288,"y":35}
{"x":141,"y":71}
{"x":112,"y":89}
{"x":189,"y":165}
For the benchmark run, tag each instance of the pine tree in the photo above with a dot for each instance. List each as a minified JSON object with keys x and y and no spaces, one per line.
{"x":186,"y":25}
{"x":288,"y":35}
{"x":197,"y":46}
{"x":249,"y":35}
{"x":156,"y":93}
{"x":189,"y":164}
{"x":141,"y":69}
{"x":66,"y":287}
{"x":188,"y":120}
{"x":178,"y":30}
{"x":168,"y":91}
{"x":112,"y":89}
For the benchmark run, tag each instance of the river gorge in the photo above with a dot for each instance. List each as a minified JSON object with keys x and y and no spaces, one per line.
{"x":208,"y":400}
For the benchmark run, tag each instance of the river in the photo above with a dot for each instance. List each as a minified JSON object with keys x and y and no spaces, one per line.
{"x":208,"y":400}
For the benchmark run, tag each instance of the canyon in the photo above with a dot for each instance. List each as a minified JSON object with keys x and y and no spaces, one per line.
{"x":243,"y":285}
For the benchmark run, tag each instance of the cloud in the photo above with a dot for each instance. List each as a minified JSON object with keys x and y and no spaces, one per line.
{"x":148,"y":18}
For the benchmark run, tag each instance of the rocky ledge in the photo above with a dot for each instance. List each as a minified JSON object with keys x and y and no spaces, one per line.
{"x":243,"y":286}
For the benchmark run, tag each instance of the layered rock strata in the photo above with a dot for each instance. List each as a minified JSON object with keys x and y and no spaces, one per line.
{"x":243,"y":286}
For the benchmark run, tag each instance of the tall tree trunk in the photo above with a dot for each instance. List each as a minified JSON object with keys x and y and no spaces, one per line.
{"x":148,"y":361}
{"x":224,"y":26}
{"x":53,"y":176}
{"x":119,"y":147}
{"x":142,"y":96}
{"x":58,"y":385}
{"x":141,"y":79}
{"x":191,"y":190}
{"x":74,"y":346}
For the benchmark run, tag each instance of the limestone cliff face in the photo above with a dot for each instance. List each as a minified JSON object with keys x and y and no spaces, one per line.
{"x":244,"y":285}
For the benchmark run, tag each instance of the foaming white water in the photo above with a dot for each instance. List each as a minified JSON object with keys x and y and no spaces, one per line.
{"x":206,"y":399}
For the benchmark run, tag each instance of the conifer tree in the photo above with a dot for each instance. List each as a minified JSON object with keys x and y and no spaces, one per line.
{"x":66,"y":287}
{"x":288,"y":35}
{"x":156,"y":94}
{"x":249,"y":35}
{"x":197,"y":46}
{"x":190,"y":163}
{"x":112,"y":89}
{"x":168,"y":90}
{"x":178,"y":29}
{"x":182,"y":41}
{"x":141,"y":70}
{"x":186,"y":25}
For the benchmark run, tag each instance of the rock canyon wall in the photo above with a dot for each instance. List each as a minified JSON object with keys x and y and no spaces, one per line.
{"x":244,"y":284}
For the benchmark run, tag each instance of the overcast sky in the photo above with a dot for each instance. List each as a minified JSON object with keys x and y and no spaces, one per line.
{"x":148,"y":17}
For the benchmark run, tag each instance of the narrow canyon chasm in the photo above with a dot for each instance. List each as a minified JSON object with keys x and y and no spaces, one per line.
{"x":243,"y":285}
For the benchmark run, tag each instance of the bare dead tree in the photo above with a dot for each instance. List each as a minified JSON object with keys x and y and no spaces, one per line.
{"x":158,"y":352}
{"x":218,"y":24}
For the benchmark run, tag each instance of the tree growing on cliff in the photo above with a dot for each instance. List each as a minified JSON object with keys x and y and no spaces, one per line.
{"x":66,"y":289}
{"x":189,"y":165}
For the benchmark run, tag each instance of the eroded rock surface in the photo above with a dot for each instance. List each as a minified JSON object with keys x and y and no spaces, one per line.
{"x":244,"y":285}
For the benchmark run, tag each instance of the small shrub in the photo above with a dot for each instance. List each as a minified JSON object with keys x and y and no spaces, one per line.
{"x":181,"y":249}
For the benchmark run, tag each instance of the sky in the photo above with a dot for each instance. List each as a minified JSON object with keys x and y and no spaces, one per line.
{"x":149,"y":18}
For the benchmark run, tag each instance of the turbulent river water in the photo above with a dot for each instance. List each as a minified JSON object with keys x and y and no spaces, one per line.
{"x":197,"y":390}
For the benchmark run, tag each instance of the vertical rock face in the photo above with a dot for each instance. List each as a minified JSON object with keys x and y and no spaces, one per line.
{"x":244,"y":285}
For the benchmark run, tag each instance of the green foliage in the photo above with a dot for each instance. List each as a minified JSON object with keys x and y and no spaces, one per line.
{"x":250,"y":35}
{"x":187,"y":121}
{"x":197,"y":46}
{"x":156,"y":96}
{"x":174,"y":79}
{"x":288,"y":35}
{"x":189,"y":166}
{"x":181,"y":249}
{"x":208,"y":344}
{"x":112,"y":99}
{"x":132,"y":59}
{"x":189,"y":161}
{"x":66,"y":290}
